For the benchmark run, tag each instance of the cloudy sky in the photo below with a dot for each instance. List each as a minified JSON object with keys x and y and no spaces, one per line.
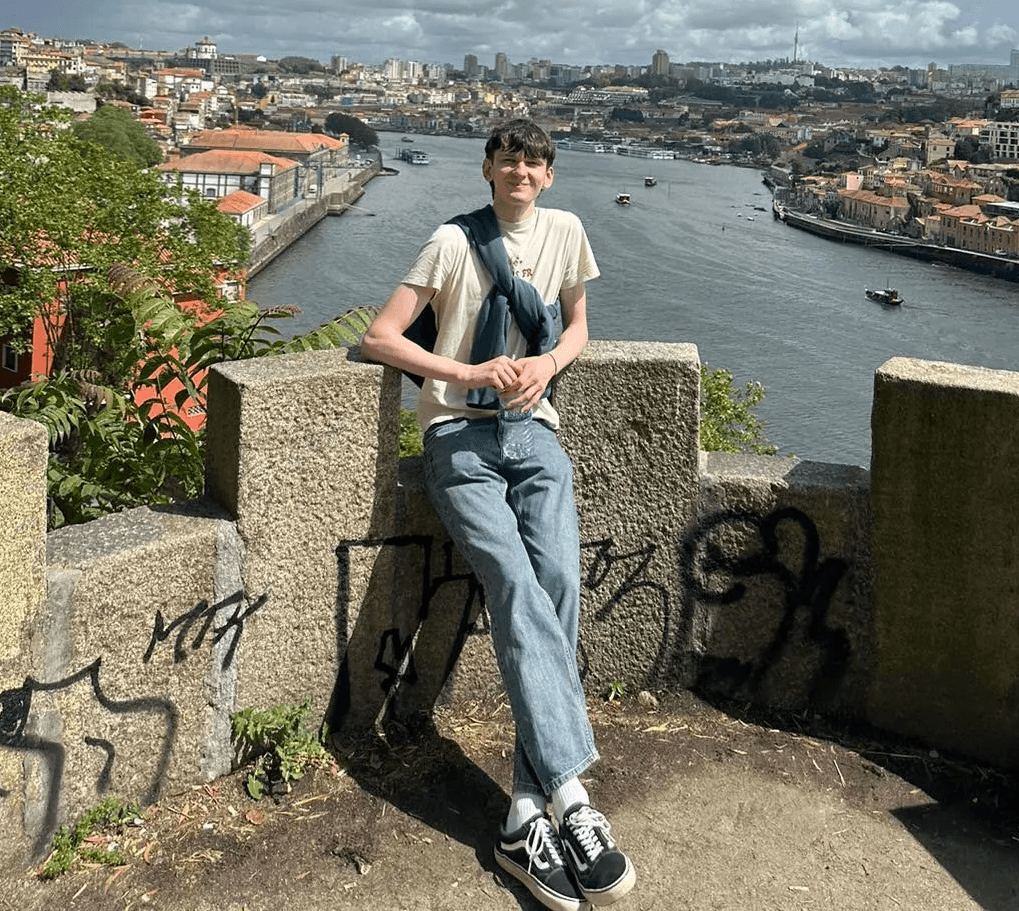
{"x":833,"y":32}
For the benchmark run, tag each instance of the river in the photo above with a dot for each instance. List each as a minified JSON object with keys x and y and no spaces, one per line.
{"x":692,"y":259}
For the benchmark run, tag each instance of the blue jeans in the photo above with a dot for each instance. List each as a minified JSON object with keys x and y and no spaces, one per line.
{"x":516,"y":525}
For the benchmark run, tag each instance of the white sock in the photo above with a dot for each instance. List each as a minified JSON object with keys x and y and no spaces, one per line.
{"x":523,"y":806}
{"x":566,"y":795}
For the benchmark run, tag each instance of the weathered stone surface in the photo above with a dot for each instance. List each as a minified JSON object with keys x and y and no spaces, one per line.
{"x":23,"y":454}
{"x":317,"y":571}
{"x":946,"y":542}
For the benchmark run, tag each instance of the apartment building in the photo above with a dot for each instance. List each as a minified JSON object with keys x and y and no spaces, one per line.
{"x":1002,"y":139}
{"x":14,"y":44}
{"x":865,"y":207}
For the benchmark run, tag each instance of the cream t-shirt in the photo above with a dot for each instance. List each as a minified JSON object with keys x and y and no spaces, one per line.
{"x":550,"y":250}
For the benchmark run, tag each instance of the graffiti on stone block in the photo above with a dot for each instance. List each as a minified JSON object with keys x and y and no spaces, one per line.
{"x":19,"y":731}
{"x":395,"y":656}
{"x":714,"y":572}
{"x":200,"y":620}
{"x":612,"y":577}
{"x":395,"y":660}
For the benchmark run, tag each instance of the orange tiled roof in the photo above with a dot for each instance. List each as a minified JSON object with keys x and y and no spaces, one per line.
{"x":264,"y":140}
{"x":224,"y":161}
{"x":239,"y":202}
{"x":867,"y":196}
{"x":963,"y":212}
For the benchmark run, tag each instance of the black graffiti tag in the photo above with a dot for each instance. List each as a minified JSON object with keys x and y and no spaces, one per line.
{"x":202,"y":616}
{"x":635,"y":567}
{"x":713,"y":574}
{"x":395,"y":656}
{"x":16,"y":707}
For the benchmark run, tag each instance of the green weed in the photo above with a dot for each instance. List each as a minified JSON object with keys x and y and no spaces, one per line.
{"x":616,"y":690}
{"x":281,"y":741}
{"x":68,"y":842}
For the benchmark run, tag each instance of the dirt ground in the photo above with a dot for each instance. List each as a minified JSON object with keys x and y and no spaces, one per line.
{"x":718,"y":809}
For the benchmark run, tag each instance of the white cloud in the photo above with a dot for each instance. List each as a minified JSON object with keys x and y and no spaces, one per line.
{"x":843,"y":32}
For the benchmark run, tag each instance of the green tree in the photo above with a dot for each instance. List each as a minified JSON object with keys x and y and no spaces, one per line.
{"x":300,"y":65}
{"x":968,"y":148}
{"x":358,"y":131}
{"x":118,"y":132}
{"x":69,"y":210}
{"x":117,"y":91}
{"x":62,"y":82}
{"x":728,"y":423}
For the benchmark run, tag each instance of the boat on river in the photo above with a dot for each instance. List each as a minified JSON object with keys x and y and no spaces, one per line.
{"x":623,"y":199}
{"x":650,"y":181}
{"x":885,"y":296}
{"x":413,"y":156}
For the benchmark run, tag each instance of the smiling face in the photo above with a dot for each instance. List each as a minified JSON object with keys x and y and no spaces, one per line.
{"x":517,"y":180}
{"x":518,"y":165}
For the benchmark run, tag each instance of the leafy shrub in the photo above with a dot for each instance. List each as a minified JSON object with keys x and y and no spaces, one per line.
{"x":117,"y":445}
{"x":281,"y":741}
{"x":728,"y":423}
{"x":411,"y":442}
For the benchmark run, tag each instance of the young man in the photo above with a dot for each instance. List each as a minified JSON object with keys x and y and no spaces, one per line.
{"x":487,"y":276}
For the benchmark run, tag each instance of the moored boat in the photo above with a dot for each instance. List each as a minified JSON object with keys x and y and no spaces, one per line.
{"x":413,"y":156}
{"x":650,"y":181}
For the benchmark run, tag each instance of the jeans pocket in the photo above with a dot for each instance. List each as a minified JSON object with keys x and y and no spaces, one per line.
{"x":437,"y":447}
{"x":444,"y":428}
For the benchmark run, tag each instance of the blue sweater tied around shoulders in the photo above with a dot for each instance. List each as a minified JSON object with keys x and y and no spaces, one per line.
{"x":510,"y":298}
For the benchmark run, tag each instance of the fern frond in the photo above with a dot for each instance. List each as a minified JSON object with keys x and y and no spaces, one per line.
{"x":282,"y":311}
{"x":344,"y":331}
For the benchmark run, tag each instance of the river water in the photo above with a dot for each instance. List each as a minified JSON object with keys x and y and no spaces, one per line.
{"x":690,"y":260}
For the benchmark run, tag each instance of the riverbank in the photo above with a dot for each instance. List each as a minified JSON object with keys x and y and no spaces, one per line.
{"x":274,"y":235}
{"x":985,"y":263}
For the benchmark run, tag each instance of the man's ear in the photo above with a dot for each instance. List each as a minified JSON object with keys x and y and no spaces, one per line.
{"x":486,"y":169}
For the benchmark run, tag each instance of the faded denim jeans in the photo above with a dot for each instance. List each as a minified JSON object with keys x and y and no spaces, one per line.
{"x":516,"y":525}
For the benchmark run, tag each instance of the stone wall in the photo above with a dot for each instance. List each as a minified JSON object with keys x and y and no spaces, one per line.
{"x":316,"y":570}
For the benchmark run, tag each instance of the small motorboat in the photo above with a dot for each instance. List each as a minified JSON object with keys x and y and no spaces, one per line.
{"x":650,"y":181}
{"x":886,"y":296}
{"x":623,"y":199}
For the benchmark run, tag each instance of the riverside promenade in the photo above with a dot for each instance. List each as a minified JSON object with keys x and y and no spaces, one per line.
{"x":274,"y":234}
{"x":844,"y":232}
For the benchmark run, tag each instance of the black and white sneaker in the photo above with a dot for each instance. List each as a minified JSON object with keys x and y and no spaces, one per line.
{"x":603,"y":872}
{"x":533,"y":855}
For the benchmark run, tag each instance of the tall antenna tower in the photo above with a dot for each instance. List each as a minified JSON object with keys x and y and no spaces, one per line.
{"x":796,"y":44}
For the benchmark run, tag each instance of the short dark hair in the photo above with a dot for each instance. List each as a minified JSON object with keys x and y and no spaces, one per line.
{"x":521,"y":136}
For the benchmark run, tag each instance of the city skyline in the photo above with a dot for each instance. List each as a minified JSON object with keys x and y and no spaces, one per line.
{"x":848,"y":33}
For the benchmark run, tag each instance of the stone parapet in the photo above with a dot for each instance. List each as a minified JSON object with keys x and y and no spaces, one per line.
{"x":316,"y":571}
{"x":778,"y":585}
{"x":303,"y":451}
{"x":134,"y":660}
{"x":945,"y":489}
{"x":23,"y":454}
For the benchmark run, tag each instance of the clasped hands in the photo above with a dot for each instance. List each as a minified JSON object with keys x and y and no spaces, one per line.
{"x":519,"y":383}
